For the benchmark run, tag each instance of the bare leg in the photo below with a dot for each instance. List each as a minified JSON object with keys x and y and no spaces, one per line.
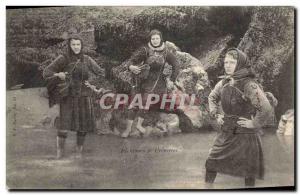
{"x":60,"y":143}
{"x":60,"y":146}
{"x":116,"y":131}
{"x":139,"y":125}
{"x":128,"y":129}
{"x":80,"y":142}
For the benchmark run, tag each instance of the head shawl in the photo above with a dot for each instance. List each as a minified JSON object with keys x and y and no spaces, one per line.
{"x":155,"y":32}
{"x":70,"y":55}
{"x":243,"y":67}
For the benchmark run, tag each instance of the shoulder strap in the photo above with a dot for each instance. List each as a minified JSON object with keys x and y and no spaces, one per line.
{"x":72,"y":70}
{"x":160,"y":72}
{"x":146,"y":51}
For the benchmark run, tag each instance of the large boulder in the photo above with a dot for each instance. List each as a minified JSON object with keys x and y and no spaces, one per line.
{"x":269,"y":44}
{"x":192,"y":79}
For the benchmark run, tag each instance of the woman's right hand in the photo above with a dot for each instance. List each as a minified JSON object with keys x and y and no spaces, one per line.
{"x":61,"y":75}
{"x":135,"y":69}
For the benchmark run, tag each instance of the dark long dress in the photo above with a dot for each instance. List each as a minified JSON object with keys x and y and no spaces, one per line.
{"x":76,"y":109}
{"x":156,"y":59}
{"x":238,"y":150}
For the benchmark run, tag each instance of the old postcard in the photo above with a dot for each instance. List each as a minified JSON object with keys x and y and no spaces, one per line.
{"x":150,"y":97}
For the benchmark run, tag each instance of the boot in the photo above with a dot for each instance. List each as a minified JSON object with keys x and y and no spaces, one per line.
{"x":139,"y":125}
{"x":79,"y":148}
{"x":250,"y":181}
{"x":116,"y":131}
{"x":128,"y":129}
{"x":60,"y":146}
{"x":210,"y":176}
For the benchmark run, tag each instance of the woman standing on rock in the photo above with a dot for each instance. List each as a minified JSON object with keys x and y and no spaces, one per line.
{"x":237,"y":149}
{"x":149,"y":62}
{"x":67,"y":83}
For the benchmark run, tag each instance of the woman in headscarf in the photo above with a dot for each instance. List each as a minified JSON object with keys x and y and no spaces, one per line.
{"x":148,"y":63}
{"x":68,"y":85}
{"x":237,"y":149}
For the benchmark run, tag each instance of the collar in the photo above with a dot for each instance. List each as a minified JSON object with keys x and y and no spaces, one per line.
{"x":160,"y":48}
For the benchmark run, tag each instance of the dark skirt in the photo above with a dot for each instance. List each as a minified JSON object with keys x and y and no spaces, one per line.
{"x":152,"y":85}
{"x":77,"y":114}
{"x":237,"y":153}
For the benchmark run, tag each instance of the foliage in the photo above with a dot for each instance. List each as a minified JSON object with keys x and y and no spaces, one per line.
{"x":269,"y":42}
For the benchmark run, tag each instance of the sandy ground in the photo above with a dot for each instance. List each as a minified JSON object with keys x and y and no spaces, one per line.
{"x":109,"y":162}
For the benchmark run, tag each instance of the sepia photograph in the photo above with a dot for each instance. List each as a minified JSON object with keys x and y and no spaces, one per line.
{"x":150,"y":98}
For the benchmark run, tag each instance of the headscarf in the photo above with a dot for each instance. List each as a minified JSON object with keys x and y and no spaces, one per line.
{"x":155,"y":32}
{"x":69,"y":54}
{"x":242,"y":69}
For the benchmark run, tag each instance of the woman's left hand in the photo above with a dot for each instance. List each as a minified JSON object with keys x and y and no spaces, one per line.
{"x":102,"y":90}
{"x":87,"y":83}
{"x":247,"y":123}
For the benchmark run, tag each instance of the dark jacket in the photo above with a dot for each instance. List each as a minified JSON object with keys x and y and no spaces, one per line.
{"x":156,"y":59}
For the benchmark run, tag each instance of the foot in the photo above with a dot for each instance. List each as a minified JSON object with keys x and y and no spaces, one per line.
{"x":147,"y":132}
{"x":116,"y":131}
{"x":59,"y":154}
{"x":79,"y":150}
{"x":126,"y":133}
{"x":249,"y":182}
{"x":162,"y":126}
{"x":210,"y":177}
{"x":128,"y":129}
{"x":141,"y":129}
{"x":60,"y":146}
{"x":209,"y":185}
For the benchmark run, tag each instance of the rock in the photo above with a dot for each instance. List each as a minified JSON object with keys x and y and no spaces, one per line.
{"x":194,"y":80}
{"x":285,"y":132}
{"x":171,"y":122}
{"x":286,"y":124}
{"x":19,"y":86}
{"x":269,"y":43}
{"x":103,"y":121}
{"x":123,"y":80}
{"x":50,"y":119}
{"x":213,"y":56}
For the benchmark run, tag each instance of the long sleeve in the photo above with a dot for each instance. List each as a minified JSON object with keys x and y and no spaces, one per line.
{"x":171,"y":59}
{"x":54,"y":67}
{"x":261,"y":103}
{"x":214,"y":98}
{"x":95,"y":68}
{"x":52,"y":81}
{"x":96,"y":73}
